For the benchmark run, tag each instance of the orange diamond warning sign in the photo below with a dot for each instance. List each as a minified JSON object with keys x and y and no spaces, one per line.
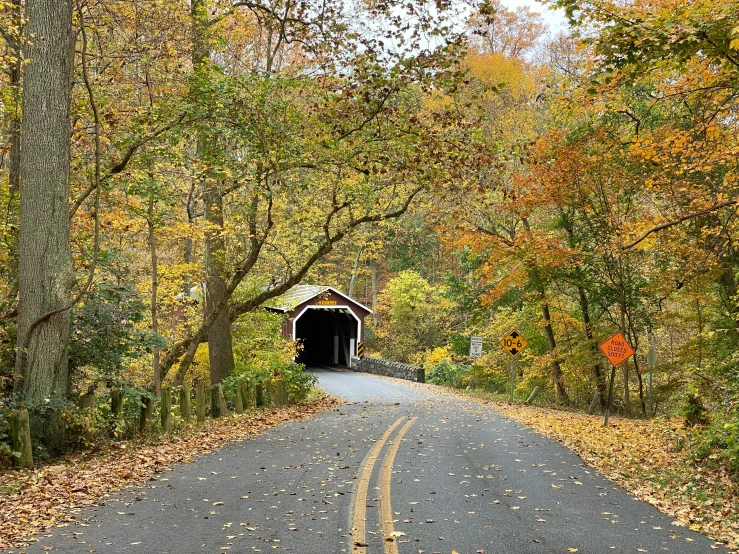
{"x":616,"y":349}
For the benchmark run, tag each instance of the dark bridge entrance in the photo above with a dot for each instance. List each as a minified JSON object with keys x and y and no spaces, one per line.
{"x":328,"y":325}
{"x":326,"y":336}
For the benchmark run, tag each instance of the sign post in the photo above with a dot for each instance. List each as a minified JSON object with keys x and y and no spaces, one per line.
{"x":475,"y":352}
{"x":513,"y":343}
{"x":652,"y":361}
{"x":616,"y":350}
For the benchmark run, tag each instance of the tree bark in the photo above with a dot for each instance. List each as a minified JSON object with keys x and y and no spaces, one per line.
{"x":600,"y":381}
{"x":374,"y":290}
{"x":220,"y":342}
{"x":355,"y":269}
{"x":556,"y":367}
{"x":45,"y":262}
{"x":154,"y":290}
{"x":622,"y":300}
{"x":14,"y":132}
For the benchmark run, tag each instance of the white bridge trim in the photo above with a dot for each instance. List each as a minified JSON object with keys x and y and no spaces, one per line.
{"x":353,"y":344}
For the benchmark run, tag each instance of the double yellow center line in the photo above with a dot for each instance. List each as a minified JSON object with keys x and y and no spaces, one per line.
{"x":359,"y":512}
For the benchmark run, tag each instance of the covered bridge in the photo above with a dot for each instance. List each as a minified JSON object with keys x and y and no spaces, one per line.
{"x":328,"y":324}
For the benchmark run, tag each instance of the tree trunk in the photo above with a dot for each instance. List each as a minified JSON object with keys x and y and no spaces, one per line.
{"x":154,"y":289}
{"x":627,"y":396}
{"x":600,"y":381}
{"x":355,"y":269}
{"x":191,"y":204}
{"x":556,"y":367}
{"x":45,"y":264}
{"x":220,"y":343}
{"x":374,"y":290}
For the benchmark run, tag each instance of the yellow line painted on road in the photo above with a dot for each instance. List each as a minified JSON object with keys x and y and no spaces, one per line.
{"x":386,"y":509}
{"x":359,"y":513}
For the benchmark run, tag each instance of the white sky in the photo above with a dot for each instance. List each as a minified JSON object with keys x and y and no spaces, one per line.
{"x":555,"y":19}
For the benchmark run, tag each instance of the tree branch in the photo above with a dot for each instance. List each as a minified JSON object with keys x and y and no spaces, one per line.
{"x":674,"y":222}
{"x":123,"y":162}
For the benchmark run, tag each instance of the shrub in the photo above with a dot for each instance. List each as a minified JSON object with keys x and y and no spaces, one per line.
{"x":694,"y":412}
{"x":449,"y":373}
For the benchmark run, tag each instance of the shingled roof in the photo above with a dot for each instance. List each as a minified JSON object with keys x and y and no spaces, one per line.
{"x":302,"y":293}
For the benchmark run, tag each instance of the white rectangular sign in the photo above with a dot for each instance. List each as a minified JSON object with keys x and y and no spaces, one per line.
{"x":475,"y":347}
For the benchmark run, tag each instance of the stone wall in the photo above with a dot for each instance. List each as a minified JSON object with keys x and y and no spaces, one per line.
{"x":390,"y":369}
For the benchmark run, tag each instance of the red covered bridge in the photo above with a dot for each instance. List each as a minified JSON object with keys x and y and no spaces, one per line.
{"x":328,"y":324}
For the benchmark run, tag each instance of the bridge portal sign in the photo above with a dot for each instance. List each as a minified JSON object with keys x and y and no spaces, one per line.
{"x":475,"y":347}
{"x":513,"y":343}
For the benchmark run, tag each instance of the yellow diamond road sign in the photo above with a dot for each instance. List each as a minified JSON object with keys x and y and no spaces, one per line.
{"x":513,"y":343}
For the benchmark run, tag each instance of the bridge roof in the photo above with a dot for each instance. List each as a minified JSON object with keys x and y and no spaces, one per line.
{"x":302,"y":293}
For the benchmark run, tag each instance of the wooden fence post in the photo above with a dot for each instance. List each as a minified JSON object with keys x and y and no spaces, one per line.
{"x":185,"y":403}
{"x":260,"y":395}
{"x":280,"y":393}
{"x":116,"y":407}
{"x":200,"y":402}
{"x":145,"y":417}
{"x":20,"y":438}
{"x":217,"y":402}
{"x":533,"y":394}
{"x":246,"y":396}
{"x":238,"y":399}
{"x":87,"y":403}
{"x":166,"y":409}
{"x":594,"y":403}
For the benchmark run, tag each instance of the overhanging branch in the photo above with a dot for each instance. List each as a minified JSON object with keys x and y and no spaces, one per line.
{"x":674,"y":222}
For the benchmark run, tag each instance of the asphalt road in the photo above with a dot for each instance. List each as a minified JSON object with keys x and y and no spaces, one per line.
{"x":396,"y":470}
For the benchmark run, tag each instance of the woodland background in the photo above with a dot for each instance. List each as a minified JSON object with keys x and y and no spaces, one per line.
{"x":458,"y":168}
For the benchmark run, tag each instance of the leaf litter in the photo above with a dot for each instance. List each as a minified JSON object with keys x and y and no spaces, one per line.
{"x":53,"y":494}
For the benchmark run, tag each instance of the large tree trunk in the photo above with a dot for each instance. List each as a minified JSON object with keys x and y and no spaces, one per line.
{"x":220,"y":344}
{"x":45,"y":264}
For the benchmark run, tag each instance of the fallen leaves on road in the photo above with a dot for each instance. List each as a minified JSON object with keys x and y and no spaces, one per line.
{"x":646,"y":459}
{"x":53,"y":494}
{"x":650,"y":459}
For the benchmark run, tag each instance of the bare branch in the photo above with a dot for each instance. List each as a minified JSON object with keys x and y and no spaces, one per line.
{"x":674,"y":222}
